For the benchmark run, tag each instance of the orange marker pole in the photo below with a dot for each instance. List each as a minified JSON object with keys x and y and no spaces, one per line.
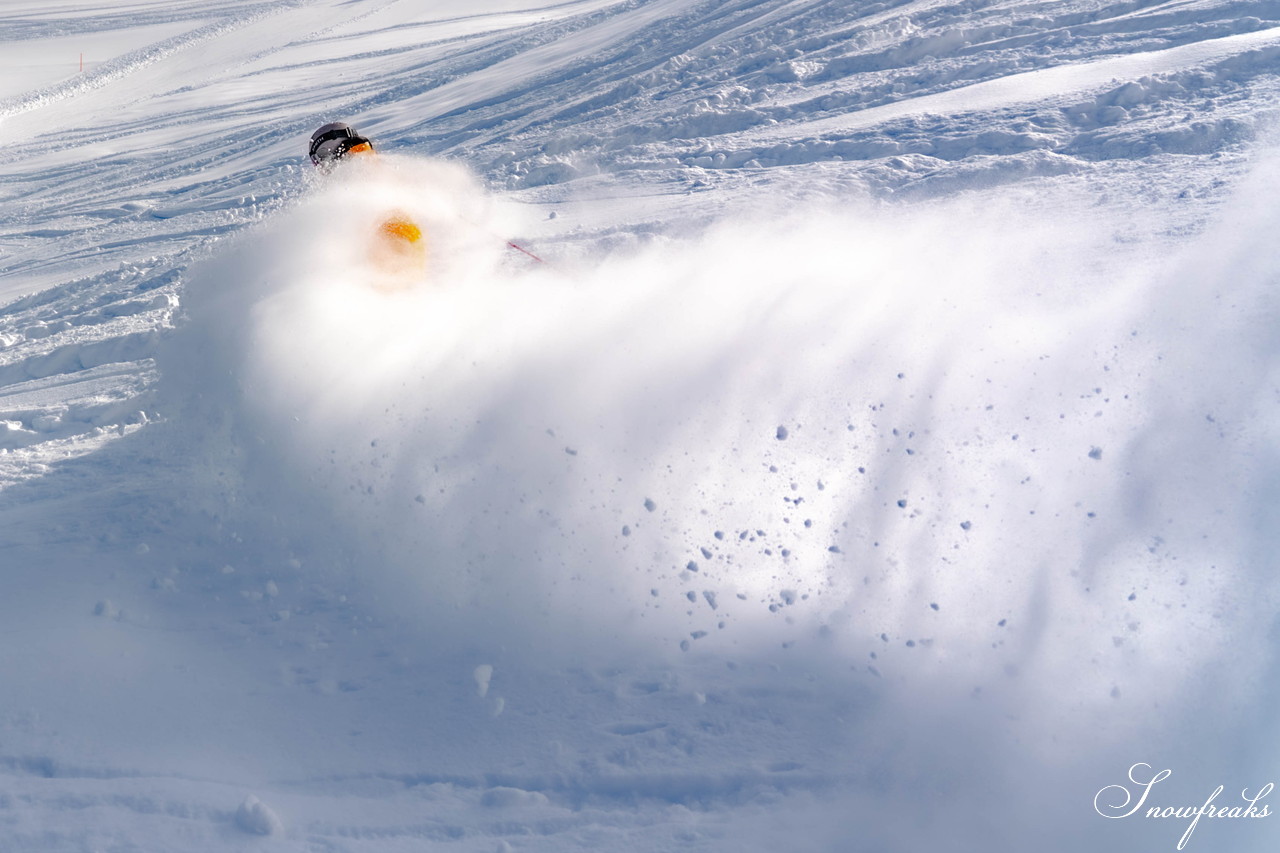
{"x":82,"y":63}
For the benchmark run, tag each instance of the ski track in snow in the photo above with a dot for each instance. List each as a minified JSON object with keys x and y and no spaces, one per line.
{"x":883,"y":459}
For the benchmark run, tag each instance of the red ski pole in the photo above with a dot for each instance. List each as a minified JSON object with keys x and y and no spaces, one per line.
{"x":512,"y":244}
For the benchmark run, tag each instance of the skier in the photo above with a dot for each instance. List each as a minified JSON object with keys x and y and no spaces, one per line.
{"x":396,"y":246}
{"x":336,"y":140}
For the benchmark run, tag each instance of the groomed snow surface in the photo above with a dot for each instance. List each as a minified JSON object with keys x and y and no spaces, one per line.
{"x":882,"y":456}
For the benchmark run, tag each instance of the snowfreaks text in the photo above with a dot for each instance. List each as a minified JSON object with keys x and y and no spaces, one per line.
{"x":1117,"y":801}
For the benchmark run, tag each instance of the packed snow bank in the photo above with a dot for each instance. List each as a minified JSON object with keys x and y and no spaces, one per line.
{"x":972,"y":442}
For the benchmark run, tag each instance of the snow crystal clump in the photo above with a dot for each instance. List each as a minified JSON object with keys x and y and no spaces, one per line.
{"x":483,"y":674}
{"x":256,"y":818}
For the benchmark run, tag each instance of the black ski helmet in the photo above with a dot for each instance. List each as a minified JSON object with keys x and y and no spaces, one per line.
{"x":333,"y":140}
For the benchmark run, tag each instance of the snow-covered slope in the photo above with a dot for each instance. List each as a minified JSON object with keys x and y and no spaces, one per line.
{"x":881,"y":457}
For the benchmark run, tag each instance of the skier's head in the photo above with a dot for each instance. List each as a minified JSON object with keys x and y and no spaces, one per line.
{"x":336,"y":140}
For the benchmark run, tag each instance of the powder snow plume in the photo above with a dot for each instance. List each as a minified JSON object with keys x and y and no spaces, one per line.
{"x":943,"y":442}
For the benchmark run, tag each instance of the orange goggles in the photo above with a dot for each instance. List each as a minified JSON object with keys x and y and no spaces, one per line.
{"x":402,"y":228}
{"x":360,"y":148}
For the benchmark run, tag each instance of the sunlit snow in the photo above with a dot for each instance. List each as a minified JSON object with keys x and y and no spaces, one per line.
{"x":818,"y":426}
